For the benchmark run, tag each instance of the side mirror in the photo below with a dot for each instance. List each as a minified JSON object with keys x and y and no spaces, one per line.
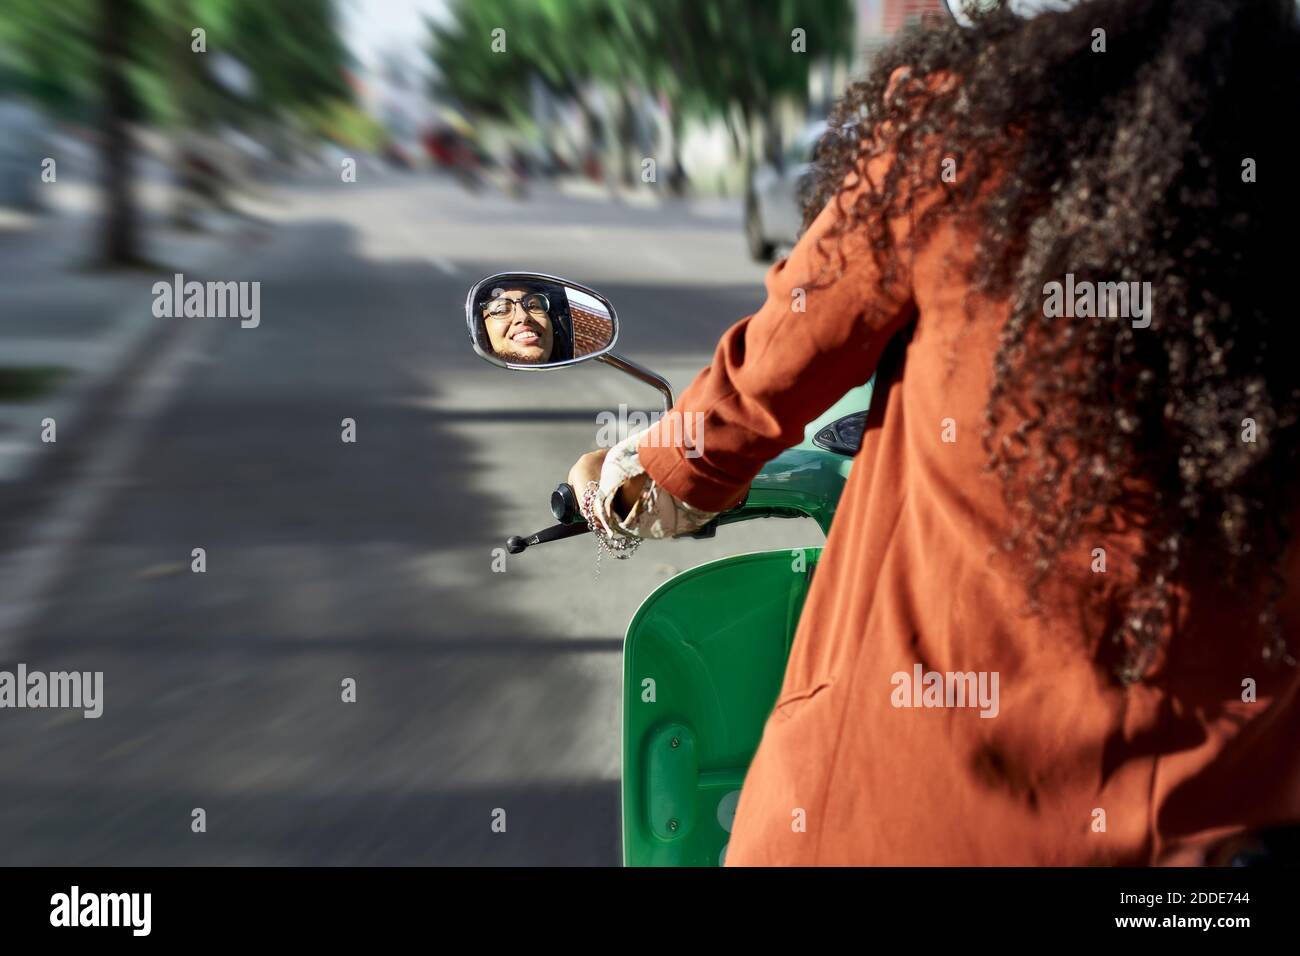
{"x":965,"y":11}
{"x":527,"y":320}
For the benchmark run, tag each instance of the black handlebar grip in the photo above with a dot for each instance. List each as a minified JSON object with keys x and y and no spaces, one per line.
{"x":564,"y":504}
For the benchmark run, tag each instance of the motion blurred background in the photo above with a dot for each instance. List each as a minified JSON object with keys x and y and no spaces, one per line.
{"x":366,"y":161}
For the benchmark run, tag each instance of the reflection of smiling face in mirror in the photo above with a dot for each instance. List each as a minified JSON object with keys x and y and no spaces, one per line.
{"x":519,"y":325}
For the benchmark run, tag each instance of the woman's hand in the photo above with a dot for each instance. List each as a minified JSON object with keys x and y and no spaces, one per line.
{"x":587,"y":468}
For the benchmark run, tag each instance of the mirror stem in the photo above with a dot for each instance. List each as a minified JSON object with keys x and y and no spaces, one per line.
{"x":643,"y":374}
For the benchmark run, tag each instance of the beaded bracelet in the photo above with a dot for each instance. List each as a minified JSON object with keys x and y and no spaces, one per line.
{"x":616,"y":545}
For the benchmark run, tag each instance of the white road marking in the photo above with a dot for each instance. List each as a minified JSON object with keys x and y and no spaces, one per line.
{"x":660,"y":257}
{"x":443,"y":265}
{"x":440,"y":263}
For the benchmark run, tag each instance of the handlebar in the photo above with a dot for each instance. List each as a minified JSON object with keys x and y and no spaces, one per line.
{"x":516,"y":544}
{"x":564,"y":506}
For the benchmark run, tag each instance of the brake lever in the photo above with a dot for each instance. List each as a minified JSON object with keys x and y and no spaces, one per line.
{"x":515,"y":544}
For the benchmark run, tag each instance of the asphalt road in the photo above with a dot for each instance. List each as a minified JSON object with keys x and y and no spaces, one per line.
{"x":476,"y":691}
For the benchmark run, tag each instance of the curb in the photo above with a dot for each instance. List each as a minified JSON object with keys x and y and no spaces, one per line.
{"x":600,"y":192}
{"x":709,"y":207}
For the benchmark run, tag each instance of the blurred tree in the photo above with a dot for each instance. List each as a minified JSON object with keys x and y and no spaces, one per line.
{"x":488,"y":52}
{"x":121,"y":241}
{"x":47,"y":52}
{"x":482,"y":81}
{"x":124,"y":61}
{"x":729,"y":59}
{"x":742,"y":58}
{"x":293,"y":50}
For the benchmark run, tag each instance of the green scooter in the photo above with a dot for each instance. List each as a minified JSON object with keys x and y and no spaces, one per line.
{"x":705,"y":653}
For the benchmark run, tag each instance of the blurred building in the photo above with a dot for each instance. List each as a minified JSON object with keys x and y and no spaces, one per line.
{"x":898,"y":14}
{"x":879,"y":20}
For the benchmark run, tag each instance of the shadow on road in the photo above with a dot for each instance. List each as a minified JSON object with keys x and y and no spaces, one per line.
{"x":325,"y":561}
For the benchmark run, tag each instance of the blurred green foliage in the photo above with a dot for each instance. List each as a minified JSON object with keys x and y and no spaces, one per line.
{"x":28,"y":382}
{"x":730,"y":59}
{"x":53,"y":52}
{"x":117,"y":62}
{"x":47,"y":53}
{"x":345,"y":124}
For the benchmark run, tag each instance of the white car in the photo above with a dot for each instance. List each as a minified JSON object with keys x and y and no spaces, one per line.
{"x":774,"y":196}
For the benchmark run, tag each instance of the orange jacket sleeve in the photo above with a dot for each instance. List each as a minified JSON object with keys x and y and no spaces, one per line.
{"x":821,"y":331}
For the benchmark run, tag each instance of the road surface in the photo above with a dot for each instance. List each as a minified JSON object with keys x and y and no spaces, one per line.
{"x":475,"y":691}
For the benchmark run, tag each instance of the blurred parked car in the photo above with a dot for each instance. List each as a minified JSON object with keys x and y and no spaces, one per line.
{"x":774,"y":195}
{"x":25,"y":139}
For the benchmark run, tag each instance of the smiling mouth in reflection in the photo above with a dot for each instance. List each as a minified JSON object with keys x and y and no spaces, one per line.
{"x":526,"y":337}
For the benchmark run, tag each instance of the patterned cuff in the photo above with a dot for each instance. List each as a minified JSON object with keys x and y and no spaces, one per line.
{"x":656,"y":514}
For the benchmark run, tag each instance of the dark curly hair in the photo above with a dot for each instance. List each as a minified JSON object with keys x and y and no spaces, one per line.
{"x":1137,"y":163}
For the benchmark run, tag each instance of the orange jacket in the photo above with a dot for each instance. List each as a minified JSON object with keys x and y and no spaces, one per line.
{"x":1074,"y":768}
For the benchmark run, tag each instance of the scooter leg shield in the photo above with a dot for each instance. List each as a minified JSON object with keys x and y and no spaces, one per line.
{"x":702,"y":666}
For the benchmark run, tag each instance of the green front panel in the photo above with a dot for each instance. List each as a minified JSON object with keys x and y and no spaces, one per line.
{"x":808,"y":479}
{"x":703,"y":663}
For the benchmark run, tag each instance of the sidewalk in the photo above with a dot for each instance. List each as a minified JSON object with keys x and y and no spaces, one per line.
{"x":650,"y":196}
{"x":70,"y":332}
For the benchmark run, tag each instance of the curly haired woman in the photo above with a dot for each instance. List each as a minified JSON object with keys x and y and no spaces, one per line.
{"x":1061,"y":242}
